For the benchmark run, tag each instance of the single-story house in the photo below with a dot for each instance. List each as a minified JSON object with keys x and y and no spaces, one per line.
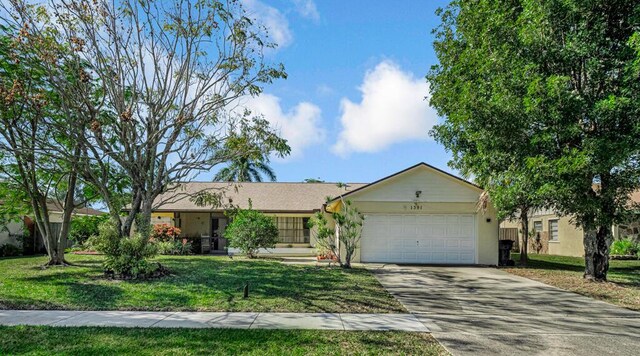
{"x":418,"y":215}
{"x":291,"y":204}
{"x":557,"y":235}
{"x":25,"y":233}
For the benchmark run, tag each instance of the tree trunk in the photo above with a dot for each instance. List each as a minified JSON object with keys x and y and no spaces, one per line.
{"x":347,"y":259}
{"x":127,"y":224}
{"x":524,"y":248}
{"x":56,"y":258}
{"x":143,"y":221}
{"x":596,"y":253}
{"x":67,"y":214}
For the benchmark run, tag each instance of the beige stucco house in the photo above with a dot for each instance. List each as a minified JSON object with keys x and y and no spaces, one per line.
{"x":290,"y":204}
{"x":420,"y":215}
{"x":557,"y":235}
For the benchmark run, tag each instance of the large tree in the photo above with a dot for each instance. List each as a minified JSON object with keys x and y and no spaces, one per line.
{"x":156,"y":102}
{"x":549,"y":88}
{"x":27,"y":171}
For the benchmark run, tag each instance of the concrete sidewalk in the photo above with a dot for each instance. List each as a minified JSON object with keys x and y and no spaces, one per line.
{"x":318,"y":321}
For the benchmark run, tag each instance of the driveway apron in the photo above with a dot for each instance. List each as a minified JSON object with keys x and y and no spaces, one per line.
{"x":485,"y":311}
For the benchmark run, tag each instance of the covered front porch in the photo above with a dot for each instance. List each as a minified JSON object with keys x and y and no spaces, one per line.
{"x":207,"y":230}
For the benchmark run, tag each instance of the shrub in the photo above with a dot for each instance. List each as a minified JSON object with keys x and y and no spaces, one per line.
{"x":625,"y":246}
{"x":183,"y":247}
{"x":196,"y":244}
{"x":165,"y":232}
{"x":164,"y":247}
{"x":83,"y":227}
{"x":250,"y":230}
{"x":348,"y":222}
{"x":90,"y":243}
{"x":9,"y":250}
{"x":125,"y":257}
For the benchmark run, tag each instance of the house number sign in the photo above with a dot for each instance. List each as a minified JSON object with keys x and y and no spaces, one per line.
{"x":415,"y":206}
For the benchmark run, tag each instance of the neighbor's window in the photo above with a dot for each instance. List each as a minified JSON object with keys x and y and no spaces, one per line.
{"x":553,"y":230}
{"x":537,"y":226}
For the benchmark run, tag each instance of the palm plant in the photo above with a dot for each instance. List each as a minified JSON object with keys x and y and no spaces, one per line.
{"x":245,"y":170}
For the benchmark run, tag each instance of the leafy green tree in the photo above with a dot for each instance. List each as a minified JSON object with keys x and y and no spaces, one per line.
{"x":14,"y":204}
{"x":547,"y":92}
{"x":83,"y":227}
{"x":158,"y":84}
{"x":313,"y":180}
{"x":251,"y":230}
{"x":245,"y":170}
{"x":27,"y":170}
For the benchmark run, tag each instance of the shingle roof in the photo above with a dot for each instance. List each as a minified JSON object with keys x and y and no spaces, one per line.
{"x":54,"y":206}
{"x":268,"y":197}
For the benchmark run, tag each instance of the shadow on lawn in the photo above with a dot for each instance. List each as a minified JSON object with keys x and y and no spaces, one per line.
{"x":621,"y":272}
{"x":319,"y":289}
{"x":206,"y":283}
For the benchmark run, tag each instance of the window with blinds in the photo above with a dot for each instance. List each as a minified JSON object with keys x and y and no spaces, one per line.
{"x":293,"y":230}
{"x":537,"y":226}
{"x":553,"y":230}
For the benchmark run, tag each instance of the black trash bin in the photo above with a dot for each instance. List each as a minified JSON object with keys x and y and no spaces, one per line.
{"x":504,"y":247}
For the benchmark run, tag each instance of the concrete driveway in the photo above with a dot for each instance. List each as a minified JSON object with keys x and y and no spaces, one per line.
{"x":485,"y":311}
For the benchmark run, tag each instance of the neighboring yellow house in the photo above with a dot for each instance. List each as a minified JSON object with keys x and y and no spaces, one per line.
{"x":557,"y":235}
{"x":420,"y":215}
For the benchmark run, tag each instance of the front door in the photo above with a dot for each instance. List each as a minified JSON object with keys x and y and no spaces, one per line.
{"x":218,"y":243}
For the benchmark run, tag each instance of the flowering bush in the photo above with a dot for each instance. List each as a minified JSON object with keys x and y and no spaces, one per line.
{"x":165,"y":232}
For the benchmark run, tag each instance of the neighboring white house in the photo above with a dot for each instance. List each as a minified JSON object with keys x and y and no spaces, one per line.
{"x":16,"y":231}
{"x":9,"y":234}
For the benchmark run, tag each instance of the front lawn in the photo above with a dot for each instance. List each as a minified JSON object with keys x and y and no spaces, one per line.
{"x":197,"y":283}
{"x":623,"y":287}
{"x":25,"y":340}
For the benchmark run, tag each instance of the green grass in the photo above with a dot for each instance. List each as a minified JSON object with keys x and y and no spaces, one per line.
{"x":197,"y":283}
{"x":109,"y":341}
{"x":622,"y":288}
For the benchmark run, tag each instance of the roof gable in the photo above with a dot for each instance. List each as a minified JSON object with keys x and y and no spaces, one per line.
{"x":433,"y":185}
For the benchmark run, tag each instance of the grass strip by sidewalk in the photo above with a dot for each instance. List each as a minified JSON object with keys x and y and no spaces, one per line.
{"x":31,"y":340}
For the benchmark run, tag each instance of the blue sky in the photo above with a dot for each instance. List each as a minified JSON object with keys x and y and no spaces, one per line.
{"x":352,"y":106}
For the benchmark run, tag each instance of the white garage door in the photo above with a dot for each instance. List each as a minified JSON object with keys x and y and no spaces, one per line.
{"x":437,"y":239}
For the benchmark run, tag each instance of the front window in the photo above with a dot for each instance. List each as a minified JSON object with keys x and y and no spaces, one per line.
{"x":537,"y":226}
{"x":553,"y":230}
{"x":293,"y":230}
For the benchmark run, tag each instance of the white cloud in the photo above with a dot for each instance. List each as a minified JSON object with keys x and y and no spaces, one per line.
{"x":274,"y":20}
{"x":324,"y":90}
{"x":307,"y":9}
{"x":300,"y":125}
{"x":392,"y":110}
